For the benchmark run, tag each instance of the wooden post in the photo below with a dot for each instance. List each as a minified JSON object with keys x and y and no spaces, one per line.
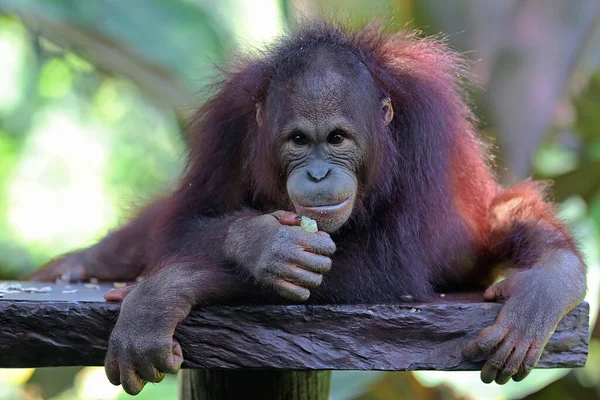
{"x":253,"y":384}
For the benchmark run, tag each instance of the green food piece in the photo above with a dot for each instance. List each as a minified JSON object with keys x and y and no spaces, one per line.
{"x":309,"y":225}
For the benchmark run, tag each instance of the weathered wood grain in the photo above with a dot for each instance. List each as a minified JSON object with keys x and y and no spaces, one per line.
{"x":330,"y":337}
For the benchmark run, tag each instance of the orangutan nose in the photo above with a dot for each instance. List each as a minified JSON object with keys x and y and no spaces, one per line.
{"x":318,"y":171}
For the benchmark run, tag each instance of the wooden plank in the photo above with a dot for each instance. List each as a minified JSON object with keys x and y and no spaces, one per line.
{"x":73,"y":330}
{"x":69,"y":292}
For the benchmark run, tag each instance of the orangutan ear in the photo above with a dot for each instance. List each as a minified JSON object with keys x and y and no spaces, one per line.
{"x":388,"y":111}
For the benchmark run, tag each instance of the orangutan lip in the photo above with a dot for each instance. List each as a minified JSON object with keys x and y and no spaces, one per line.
{"x":328,"y":208}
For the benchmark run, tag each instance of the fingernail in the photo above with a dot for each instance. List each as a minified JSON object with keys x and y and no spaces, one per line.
{"x":298,"y":218}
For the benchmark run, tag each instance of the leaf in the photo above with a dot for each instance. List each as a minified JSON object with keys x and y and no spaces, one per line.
{"x":587,"y":106}
{"x":583,"y":181}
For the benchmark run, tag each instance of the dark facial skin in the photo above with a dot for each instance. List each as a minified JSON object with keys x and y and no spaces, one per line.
{"x":322,"y":118}
{"x":321,"y":122}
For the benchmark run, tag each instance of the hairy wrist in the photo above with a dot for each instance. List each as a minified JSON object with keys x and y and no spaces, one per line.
{"x":241,"y":239}
{"x":564,"y":268}
{"x":169,"y":295}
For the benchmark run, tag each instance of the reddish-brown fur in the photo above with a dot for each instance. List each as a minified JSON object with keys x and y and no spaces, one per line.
{"x":431,"y":214}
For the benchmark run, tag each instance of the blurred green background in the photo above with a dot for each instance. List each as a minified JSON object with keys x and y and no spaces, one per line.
{"x":94,"y":95}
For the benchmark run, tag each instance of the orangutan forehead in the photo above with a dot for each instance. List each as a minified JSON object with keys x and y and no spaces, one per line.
{"x":324,"y":87}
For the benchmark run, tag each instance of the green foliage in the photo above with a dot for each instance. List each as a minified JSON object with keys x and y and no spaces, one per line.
{"x":56,"y":79}
{"x":166,"y":390}
{"x":177,"y":36}
{"x":588,"y":117}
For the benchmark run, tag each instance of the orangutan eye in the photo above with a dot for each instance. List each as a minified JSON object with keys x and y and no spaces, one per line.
{"x":336,"y":137}
{"x":299,"y":139}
